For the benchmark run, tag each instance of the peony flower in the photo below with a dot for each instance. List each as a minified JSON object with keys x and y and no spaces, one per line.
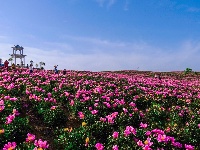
{"x":115,"y":135}
{"x":1,"y":108}
{"x":41,"y":144}
{"x":99,"y":146}
{"x":15,"y":112}
{"x":30,"y":137}
{"x":13,"y":99}
{"x":71,"y":103}
{"x":115,"y":147}
{"x":139,"y":143}
{"x":162,"y":138}
{"x":9,"y":119}
{"x":81,"y":115}
{"x":10,"y":146}
{"x":53,"y":107}
{"x":143,"y":125}
{"x":189,"y":147}
{"x":148,"y":142}
{"x":148,"y":133}
{"x":94,"y":112}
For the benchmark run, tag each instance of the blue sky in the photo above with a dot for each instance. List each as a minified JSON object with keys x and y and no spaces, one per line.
{"x":98,"y":35}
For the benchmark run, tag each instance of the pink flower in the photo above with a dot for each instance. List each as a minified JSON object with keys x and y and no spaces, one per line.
{"x":125,"y":110}
{"x":7,"y":97}
{"x":72,"y":103}
{"x":103,"y":119}
{"x":130,"y":129}
{"x":189,"y":147}
{"x":148,"y":133}
{"x":168,"y":129}
{"x":10,"y":146}
{"x":9,"y":119}
{"x":126,"y":133}
{"x":30,"y":137}
{"x":13,"y":99}
{"x":132,"y":104}
{"x":41,"y":144}
{"x":15,"y":112}
{"x":1,"y":102}
{"x":199,"y":125}
{"x":53,"y":107}
{"x":99,"y":146}
{"x":66,"y":94}
{"x":146,"y":147}
{"x":143,"y":125}
{"x":115,"y":135}
{"x":177,"y":144}
{"x":1,"y":108}
{"x":110,"y":119}
{"x":158,"y":131}
{"x":81,"y":115}
{"x":27,"y":92}
{"x":96,"y":104}
{"x":49,"y":95}
{"x":115,"y":147}
{"x":94,"y":112}
{"x":148,"y":142}
{"x":139,"y":143}
{"x":162,"y":138}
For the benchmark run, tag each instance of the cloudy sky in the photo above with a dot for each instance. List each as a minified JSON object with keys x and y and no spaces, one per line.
{"x":99,"y":35}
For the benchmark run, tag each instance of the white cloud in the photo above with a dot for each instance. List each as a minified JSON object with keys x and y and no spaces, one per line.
{"x":99,"y":55}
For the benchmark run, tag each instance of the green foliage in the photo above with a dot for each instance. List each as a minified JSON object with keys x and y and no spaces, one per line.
{"x":15,"y":131}
{"x":188,"y":70}
{"x":54,"y":117}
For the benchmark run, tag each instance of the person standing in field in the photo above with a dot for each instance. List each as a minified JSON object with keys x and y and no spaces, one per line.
{"x":6,"y":64}
{"x":31,"y":68}
{"x":55,"y":69}
{"x":64,"y":72}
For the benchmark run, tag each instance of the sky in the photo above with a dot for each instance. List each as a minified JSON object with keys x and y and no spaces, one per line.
{"x":103,"y":35}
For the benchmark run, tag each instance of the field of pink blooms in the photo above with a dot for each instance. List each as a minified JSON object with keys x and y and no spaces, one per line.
{"x":99,"y":110}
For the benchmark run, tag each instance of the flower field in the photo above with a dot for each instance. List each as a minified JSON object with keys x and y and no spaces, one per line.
{"x":99,"y":110}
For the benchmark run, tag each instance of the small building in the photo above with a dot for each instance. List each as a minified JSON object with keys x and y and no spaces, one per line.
{"x":20,"y":55}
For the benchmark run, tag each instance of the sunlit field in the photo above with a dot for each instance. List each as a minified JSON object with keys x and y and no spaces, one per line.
{"x":99,"y":110}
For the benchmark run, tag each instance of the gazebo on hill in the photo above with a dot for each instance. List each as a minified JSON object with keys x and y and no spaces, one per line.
{"x":20,"y":55}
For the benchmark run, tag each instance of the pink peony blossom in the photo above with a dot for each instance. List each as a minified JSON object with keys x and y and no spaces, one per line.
{"x":9,"y":119}
{"x":81,"y":115}
{"x":189,"y":147}
{"x":143,"y":125}
{"x":94,"y":112}
{"x":115,"y":135}
{"x":99,"y":146}
{"x":10,"y":146}
{"x":30,"y":137}
{"x":115,"y":147}
{"x":53,"y":107}
{"x":41,"y":144}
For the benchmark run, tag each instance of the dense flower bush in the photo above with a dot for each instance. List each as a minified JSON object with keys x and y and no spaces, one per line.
{"x":99,"y":110}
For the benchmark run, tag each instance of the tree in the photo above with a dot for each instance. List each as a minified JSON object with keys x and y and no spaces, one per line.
{"x":10,"y":59}
{"x":36,"y":65}
{"x":188,"y":70}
